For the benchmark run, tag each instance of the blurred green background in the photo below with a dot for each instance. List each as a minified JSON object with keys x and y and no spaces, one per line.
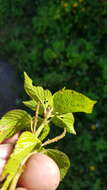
{"x":63,"y":43}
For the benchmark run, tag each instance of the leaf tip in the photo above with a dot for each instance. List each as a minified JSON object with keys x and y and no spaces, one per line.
{"x":73,"y":131}
{"x":25,"y":74}
{"x":91,"y":106}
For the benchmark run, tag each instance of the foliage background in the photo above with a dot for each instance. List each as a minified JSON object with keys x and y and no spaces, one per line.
{"x":63,"y":43}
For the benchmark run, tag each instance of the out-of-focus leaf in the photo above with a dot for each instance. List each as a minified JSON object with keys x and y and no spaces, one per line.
{"x":12,"y":122}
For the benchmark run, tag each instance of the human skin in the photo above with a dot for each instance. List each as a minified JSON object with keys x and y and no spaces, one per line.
{"x":45,"y":174}
{"x":32,"y":177}
{"x":6,"y":149}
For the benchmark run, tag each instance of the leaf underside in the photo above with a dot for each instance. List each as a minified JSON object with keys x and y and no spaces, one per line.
{"x":37,"y":93}
{"x":65,"y":121}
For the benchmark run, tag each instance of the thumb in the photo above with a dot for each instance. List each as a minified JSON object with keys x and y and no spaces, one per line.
{"x":20,"y":188}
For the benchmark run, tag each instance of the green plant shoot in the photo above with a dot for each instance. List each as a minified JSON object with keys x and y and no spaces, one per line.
{"x":48,"y":109}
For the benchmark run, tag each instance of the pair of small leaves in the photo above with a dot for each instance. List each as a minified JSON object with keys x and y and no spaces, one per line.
{"x":63,"y":121}
{"x":63,"y":102}
{"x":12,"y":122}
{"x":26,"y":144}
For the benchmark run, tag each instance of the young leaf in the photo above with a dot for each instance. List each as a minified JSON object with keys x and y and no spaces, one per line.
{"x":61,"y":160}
{"x":48,"y":98}
{"x":12,"y":122}
{"x":30,"y":104}
{"x":67,"y":101}
{"x":38,"y":93}
{"x":65,"y":121}
{"x":26,"y":144}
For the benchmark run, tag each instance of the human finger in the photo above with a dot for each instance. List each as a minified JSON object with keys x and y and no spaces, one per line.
{"x":20,"y":188}
{"x":5,"y":150}
{"x":12,"y":140}
{"x":41,"y":173}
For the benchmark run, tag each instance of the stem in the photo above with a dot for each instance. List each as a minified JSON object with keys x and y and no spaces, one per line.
{"x":49,"y":141}
{"x":36,"y":117}
{"x":31,"y":126}
{"x":45,"y":121}
{"x":39,"y":130}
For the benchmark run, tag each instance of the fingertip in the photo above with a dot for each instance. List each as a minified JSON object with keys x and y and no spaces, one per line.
{"x":21,"y":188}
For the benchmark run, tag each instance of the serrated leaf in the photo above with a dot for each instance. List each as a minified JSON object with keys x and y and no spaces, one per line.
{"x":38,"y":93}
{"x":12,"y":122}
{"x":67,"y":101}
{"x":61,"y":160}
{"x":26,"y":143}
{"x":65,"y":121}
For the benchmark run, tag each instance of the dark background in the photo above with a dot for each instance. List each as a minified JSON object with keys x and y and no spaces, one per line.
{"x":63,"y":43}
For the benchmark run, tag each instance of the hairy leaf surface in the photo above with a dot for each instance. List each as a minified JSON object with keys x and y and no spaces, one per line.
{"x":66,"y":101}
